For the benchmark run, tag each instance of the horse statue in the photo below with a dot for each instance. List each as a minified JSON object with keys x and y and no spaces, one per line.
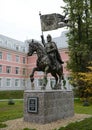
{"x":43,"y":63}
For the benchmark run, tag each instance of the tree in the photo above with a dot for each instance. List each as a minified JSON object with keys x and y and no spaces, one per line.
{"x":84,"y":82}
{"x":80,"y":40}
{"x":91,"y":5}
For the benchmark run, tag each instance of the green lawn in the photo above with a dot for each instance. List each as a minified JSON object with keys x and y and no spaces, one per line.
{"x":80,"y":109}
{"x":8,"y":112}
{"x":86,"y":124}
{"x":14,"y":94}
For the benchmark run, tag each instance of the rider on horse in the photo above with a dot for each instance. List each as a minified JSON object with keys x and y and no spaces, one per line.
{"x":52,"y":51}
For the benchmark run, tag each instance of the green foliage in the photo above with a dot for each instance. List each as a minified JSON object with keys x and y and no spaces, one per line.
{"x":83,"y":82}
{"x":86,"y":103}
{"x":82,"y":125}
{"x":2,"y":125}
{"x":15,"y":94}
{"x":90,"y":100}
{"x":80,"y":42}
{"x":91,"y":5}
{"x":11,"y":102}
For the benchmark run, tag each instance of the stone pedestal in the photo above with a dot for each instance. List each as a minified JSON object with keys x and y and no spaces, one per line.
{"x":44,"y":106}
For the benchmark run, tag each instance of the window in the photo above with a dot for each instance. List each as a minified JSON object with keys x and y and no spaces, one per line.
{"x":24,"y":82}
{"x":40,"y":73}
{"x":0,"y":68}
{"x":17,"y":58}
{"x":9,"y":57}
{"x":24,"y":71}
{"x":8,"y":82}
{"x":0,"y":55}
{"x":16,"y":70}
{"x":0,"y":82}
{"x":17,"y":47}
{"x":24,"y":60}
{"x":0,"y":42}
{"x":40,"y":82}
{"x":52,"y":82}
{"x":16,"y":82}
{"x":23,"y":49}
{"x":8,"y":69}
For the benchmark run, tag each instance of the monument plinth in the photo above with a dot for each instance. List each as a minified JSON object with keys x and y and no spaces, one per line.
{"x":44,"y":106}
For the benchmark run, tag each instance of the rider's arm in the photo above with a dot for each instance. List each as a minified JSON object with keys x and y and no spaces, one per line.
{"x":42,"y":39}
{"x":53,"y":47}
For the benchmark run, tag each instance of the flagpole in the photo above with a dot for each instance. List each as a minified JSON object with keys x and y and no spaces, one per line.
{"x":40,"y":21}
{"x":42,"y":36}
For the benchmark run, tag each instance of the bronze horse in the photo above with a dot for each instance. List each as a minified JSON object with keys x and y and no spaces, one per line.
{"x":44,"y":64}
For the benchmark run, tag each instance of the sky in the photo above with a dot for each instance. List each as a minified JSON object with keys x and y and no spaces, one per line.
{"x":19,"y":19}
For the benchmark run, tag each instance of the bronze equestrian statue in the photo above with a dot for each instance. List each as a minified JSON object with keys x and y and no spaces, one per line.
{"x":45,"y":61}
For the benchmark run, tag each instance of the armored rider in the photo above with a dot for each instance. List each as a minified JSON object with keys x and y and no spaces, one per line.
{"x":52,"y":51}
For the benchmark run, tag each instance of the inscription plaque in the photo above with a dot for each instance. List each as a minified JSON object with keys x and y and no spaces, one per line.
{"x":33,"y":104}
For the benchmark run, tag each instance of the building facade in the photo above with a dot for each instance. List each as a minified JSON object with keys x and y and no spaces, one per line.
{"x":16,"y":66}
{"x":13,"y":64}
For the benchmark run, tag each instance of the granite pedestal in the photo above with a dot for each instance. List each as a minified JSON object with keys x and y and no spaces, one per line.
{"x":44,"y":106}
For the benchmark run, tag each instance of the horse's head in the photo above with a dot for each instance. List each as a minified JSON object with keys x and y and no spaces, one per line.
{"x":31,"y":48}
{"x":35,"y":46}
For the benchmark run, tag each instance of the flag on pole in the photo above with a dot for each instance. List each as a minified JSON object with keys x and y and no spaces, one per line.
{"x":51,"y":21}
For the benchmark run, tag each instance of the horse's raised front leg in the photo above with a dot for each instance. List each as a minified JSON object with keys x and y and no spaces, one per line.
{"x":33,"y":71}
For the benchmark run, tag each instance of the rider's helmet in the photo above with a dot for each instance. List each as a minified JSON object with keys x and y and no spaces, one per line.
{"x":49,"y":38}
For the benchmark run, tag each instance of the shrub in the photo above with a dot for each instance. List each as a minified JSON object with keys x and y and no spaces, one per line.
{"x":90,"y":100}
{"x":86,"y":103}
{"x":11,"y":102}
{"x":28,"y":129}
{"x":2,"y":125}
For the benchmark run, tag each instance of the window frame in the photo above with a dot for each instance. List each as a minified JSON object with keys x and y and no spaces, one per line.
{"x":8,"y":82}
{"x":24,"y":60}
{"x":17,"y":58}
{"x":8,"y":69}
{"x":17,"y":82}
{"x":0,"y":68}
{"x":16,"y":70}
{"x":9,"y":57}
{"x":1,"y":55}
{"x":0,"y":82}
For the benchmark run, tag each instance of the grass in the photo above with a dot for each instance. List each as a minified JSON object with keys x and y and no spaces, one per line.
{"x":15,"y":94}
{"x":80,"y":109}
{"x":86,"y":124}
{"x":8,"y":112}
